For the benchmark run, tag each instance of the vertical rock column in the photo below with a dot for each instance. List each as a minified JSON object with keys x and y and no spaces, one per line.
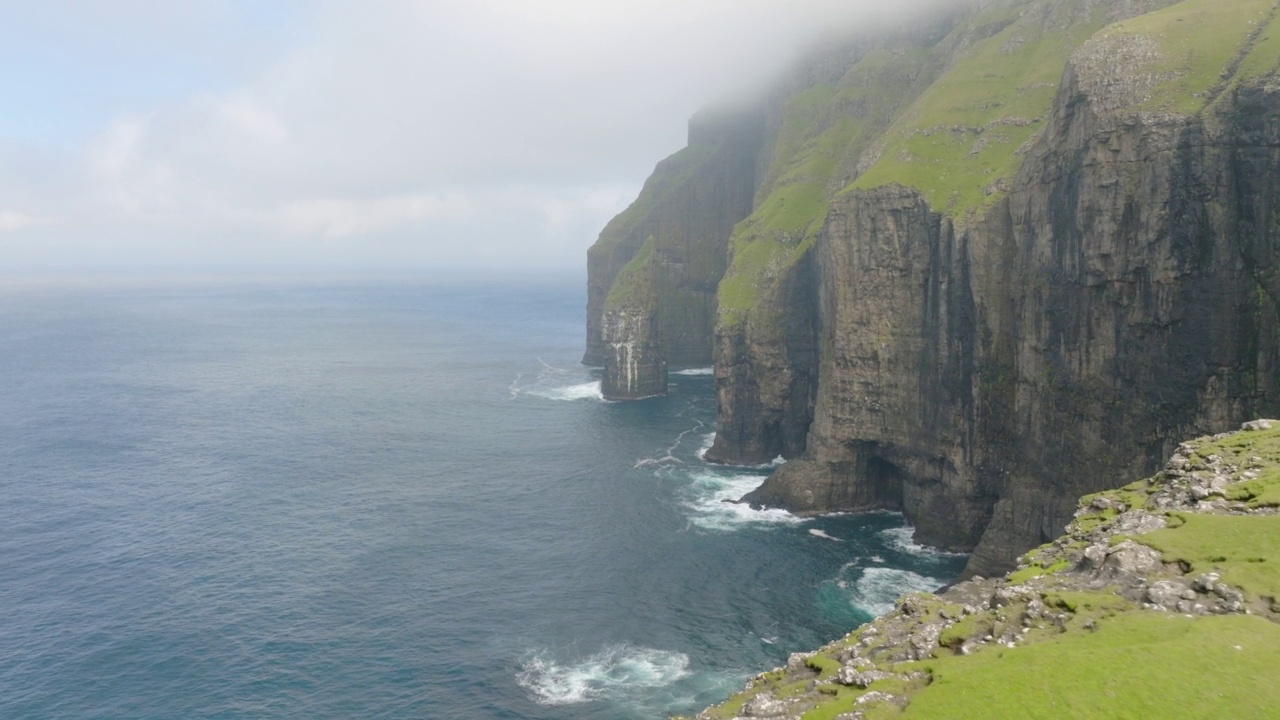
{"x":635,"y":363}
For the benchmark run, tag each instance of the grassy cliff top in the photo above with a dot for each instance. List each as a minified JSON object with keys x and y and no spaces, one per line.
{"x":951,"y":117}
{"x":959,"y":141}
{"x":669,"y":177}
{"x":1159,"y":601}
{"x":633,"y":284}
{"x":822,"y":133}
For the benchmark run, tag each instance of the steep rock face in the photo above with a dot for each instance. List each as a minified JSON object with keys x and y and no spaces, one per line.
{"x":989,"y":262}
{"x":767,"y":374}
{"x":889,"y":428}
{"x":686,"y":213}
{"x":637,"y":367}
{"x":765,"y":337}
{"x":980,"y":375}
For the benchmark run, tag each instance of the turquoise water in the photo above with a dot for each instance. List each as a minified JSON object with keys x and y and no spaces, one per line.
{"x":383,"y":500}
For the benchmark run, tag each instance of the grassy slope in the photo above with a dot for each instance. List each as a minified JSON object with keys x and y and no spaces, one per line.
{"x":1197,"y":40}
{"x":629,"y":287}
{"x":1139,"y":664}
{"x":1136,"y":665}
{"x":961,"y":137}
{"x":670,"y":177}
{"x":824,"y":129}
{"x":1111,"y":659}
{"x":959,"y":141}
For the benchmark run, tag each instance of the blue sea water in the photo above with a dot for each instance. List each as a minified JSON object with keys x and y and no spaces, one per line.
{"x":384,"y":499}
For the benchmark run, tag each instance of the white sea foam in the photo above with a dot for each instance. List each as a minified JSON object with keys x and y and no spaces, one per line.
{"x":556,"y":383}
{"x":696,"y":371}
{"x":582,"y":391}
{"x":710,"y":439}
{"x":900,"y":539}
{"x":714,"y":503}
{"x":818,"y":533}
{"x":612,"y":673}
{"x":707,"y":441}
{"x":669,"y":456}
{"x":879,"y":588}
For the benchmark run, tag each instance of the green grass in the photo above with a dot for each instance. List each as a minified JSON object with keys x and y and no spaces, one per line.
{"x":1037,"y":569}
{"x":1136,"y":665}
{"x":1087,"y":602}
{"x":954,"y":636}
{"x":962,"y":135}
{"x":826,"y":666}
{"x":952,"y":146}
{"x":669,"y":177}
{"x":822,"y":134}
{"x":630,"y":286}
{"x":1196,"y":40}
{"x":1244,"y":549}
{"x":1265,"y":58}
{"x":1262,"y":491}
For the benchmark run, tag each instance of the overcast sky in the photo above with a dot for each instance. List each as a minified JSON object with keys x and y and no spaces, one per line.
{"x":354,"y":136}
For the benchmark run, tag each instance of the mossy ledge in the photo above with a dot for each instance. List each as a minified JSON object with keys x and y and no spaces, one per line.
{"x":1161,"y":600}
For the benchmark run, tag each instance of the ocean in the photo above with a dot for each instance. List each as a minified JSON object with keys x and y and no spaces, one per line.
{"x":384,"y":499}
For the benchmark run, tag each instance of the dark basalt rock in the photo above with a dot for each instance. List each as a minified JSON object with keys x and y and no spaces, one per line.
{"x":977,"y":370}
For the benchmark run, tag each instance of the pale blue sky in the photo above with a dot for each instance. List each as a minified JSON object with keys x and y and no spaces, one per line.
{"x":66,"y":66}
{"x":330,"y":135}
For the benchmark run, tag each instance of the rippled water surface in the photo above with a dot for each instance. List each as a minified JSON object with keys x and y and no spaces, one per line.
{"x":383,"y":500}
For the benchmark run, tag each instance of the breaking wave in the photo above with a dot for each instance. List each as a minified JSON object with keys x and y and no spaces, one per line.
{"x":583,"y":391}
{"x":611,"y":674}
{"x":899,"y":538}
{"x":696,"y":371}
{"x":879,"y":588}
{"x":715,"y":507}
{"x":818,"y":533}
{"x":554,"y":383}
{"x":707,"y":441}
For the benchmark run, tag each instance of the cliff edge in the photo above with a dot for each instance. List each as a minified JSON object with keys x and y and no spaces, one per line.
{"x":1159,"y":601}
{"x":971,"y":265}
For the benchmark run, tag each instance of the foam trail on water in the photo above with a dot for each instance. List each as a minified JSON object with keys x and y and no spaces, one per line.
{"x":710,"y":438}
{"x":582,"y":391}
{"x":669,"y":456}
{"x":879,"y":588}
{"x":611,"y":674}
{"x":696,"y":371}
{"x":714,"y":503}
{"x":818,"y":533}
{"x":554,"y":383}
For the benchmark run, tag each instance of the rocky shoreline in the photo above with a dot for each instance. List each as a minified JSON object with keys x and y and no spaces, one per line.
{"x":1181,"y":544}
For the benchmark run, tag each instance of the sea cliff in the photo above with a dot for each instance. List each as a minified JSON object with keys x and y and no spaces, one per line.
{"x":970,"y":266}
{"x":1158,"y":601}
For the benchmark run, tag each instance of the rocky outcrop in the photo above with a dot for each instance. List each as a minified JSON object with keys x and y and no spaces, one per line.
{"x":685,"y":215}
{"x":1138,"y":568}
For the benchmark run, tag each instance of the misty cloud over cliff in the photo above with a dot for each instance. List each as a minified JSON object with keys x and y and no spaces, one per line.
{"x":392,"y":134}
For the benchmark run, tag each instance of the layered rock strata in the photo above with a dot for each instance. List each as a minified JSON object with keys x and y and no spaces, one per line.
{"x":981,"y":264}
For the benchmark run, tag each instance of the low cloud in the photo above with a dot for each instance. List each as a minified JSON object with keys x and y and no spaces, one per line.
{"x":404,"y":133}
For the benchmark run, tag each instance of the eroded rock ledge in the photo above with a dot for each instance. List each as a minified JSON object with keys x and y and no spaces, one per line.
{"x":1166,"y":588}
